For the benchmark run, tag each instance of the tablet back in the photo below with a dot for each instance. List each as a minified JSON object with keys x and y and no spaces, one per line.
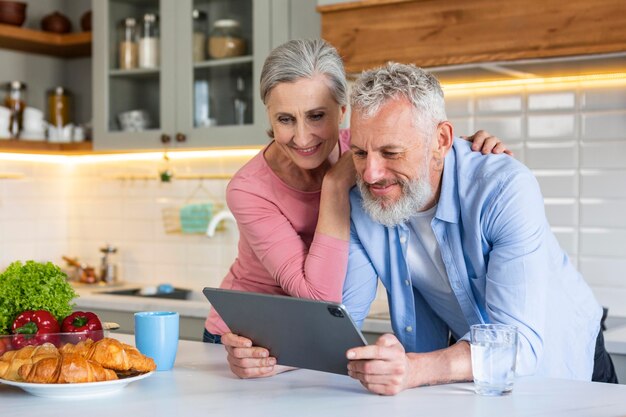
{"x":298,"y":332}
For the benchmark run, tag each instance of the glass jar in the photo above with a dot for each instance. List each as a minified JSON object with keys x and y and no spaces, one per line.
{"x":128,"y":48}
{"x":226,"y":40}
{"x":15,"y":101}
{"x":200,"y":25}
{"x":59,"y":106}
{"x":149,"y":42}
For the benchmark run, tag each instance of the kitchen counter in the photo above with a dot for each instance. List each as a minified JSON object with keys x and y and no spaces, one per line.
{"x":201,"y":384}
{"x":196,"y":307}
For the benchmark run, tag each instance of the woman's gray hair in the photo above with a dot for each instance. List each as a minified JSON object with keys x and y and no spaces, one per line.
{"x":392,"y":81}
{"x":304,"y":58}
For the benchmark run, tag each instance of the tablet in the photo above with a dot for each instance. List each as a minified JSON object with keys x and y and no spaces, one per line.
{"x":298,"y":332}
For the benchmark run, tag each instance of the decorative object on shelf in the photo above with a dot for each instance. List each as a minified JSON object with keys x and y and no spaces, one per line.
{"x":203,"y":105}
{"x":108,"y":268}
{"x":5,"y":121}
{"x":34,"y":125}
{"x":200,"y":28}
{"x":240,"y":102}
{"x":15,"y":101}
{"x":56,"y":23}
{"x":128,"y":48}
{"x":226,"y":40}
{"x":85,"y":21}
{"x":165,"y":171}
{"x":59,"y":106}
{"x":149,"y":42}
{"x":12,"y":12}
{"x":134,"y":120}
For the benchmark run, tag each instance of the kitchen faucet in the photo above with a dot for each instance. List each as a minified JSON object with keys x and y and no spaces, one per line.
{"x":216,"y":219}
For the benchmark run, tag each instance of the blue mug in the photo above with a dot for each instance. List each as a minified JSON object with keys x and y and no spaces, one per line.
{"x":156,"y":336}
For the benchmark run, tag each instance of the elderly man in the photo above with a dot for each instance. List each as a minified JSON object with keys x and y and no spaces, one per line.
{"x":457,"y":238}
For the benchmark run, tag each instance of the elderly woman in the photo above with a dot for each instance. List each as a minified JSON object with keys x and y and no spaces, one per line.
{"x":291,"y":200}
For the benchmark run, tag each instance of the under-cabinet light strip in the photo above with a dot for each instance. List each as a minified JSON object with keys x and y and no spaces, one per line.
{"x":536,"y":82}
{"x":136,"y":156}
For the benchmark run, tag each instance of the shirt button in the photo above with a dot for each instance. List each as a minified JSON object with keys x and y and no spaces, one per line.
{"x":407,"y":282}
{"x":402,"y":239}
{"x":408,"y":329}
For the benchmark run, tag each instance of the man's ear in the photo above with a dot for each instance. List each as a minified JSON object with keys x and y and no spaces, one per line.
{"x":445,"y":137}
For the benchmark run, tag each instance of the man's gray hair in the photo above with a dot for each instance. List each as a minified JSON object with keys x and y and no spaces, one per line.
{"x":302,"y":58}
{"x":393,"y":81}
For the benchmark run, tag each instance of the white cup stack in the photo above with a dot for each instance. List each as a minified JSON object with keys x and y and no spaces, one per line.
{"x":5,"y":117}
{"x":34,"y":125}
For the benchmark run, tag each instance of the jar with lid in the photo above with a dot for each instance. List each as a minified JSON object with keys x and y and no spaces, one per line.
{"x":226,"y":40}
{"x":200,"y":27}
{"x":149,"y":42}
{"x":15,"y":101}
{"x":59,"y":106}
{"x":128,"y":48}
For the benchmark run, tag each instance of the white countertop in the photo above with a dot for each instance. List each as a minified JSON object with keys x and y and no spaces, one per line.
{"x":197,"y":306}
{"x":202,"y":385}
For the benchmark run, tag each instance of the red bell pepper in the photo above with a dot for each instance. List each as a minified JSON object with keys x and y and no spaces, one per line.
{"x":34,"y":327}
{"x":5,"y":345}
{"x":83,"y":322}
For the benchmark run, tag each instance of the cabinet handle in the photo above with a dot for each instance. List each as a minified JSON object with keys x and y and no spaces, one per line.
{"x":165,"y":138}
{"x":180,"y":137}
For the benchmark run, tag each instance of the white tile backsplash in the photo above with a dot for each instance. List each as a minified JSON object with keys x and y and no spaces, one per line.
{"x":552,"y":126}
{"x":603,"y":154}
{"x":552,"y":101}
{"x":552,"y":155}
{"x":603,"y":98}
{"x":508,"y":128}
{"x":609,"y":125}
{"x":499,"y":104}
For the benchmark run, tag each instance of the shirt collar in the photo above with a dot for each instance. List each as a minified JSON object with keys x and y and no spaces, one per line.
{"x":448,"y":206}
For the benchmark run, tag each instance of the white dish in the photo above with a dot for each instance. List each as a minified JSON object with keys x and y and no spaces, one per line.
{"x":76,"y":391}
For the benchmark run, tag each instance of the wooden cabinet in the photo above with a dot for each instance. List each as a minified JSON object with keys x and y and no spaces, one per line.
{"x":448,"y":32}
{"x":166,"y":93}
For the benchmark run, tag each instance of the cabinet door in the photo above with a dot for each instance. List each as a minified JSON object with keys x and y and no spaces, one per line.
{"x":134,"y":101}
{"x":218,"y":69}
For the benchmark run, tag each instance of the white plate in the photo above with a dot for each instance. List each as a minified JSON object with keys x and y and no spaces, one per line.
{"x":75,"y":391}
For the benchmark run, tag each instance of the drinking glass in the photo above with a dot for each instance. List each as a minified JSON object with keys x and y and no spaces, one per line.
{"x":494,"y":350}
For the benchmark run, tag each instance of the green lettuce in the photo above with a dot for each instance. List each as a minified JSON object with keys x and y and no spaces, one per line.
{"x":33,"y":286}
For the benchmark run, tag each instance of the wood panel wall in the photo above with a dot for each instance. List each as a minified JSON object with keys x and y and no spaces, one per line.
{"x":447,"y":32}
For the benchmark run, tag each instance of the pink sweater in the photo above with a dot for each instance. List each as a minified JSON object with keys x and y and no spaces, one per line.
{"x":279,"y":251}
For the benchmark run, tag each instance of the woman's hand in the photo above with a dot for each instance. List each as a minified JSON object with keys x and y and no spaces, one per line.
{"x":245,"y":360}
{"x":342,"y":175}
{"x":486,"y":143}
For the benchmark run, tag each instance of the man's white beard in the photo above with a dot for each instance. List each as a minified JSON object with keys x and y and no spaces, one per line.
{"x":416,"y":194}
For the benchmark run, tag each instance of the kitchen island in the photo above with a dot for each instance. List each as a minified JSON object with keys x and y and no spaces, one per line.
{"x":202,"y":385}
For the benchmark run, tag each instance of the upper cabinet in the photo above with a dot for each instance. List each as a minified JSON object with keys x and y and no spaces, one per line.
{"x":178,"y":73}
{"x":432,"y":33}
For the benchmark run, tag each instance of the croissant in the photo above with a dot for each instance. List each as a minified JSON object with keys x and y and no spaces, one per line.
{"x":112,"y":354}
{"x":65,"y":369}
{"x":12,"y":360}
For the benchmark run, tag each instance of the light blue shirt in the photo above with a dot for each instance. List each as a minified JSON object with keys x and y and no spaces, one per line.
{"x":502,"y":260}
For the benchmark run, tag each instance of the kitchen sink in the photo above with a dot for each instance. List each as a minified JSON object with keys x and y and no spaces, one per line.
{"x":177,"y":294}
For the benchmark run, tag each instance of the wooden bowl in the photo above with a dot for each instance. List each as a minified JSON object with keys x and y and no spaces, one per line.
{"x":56,"y":23}
{"x":12,"y":12}
{"x":85,"y":21}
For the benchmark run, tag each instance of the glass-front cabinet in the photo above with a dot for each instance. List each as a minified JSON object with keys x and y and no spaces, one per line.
{"x":179,"y":73}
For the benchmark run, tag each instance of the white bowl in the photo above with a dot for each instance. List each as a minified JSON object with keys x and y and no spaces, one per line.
{"x":134,"y":120}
